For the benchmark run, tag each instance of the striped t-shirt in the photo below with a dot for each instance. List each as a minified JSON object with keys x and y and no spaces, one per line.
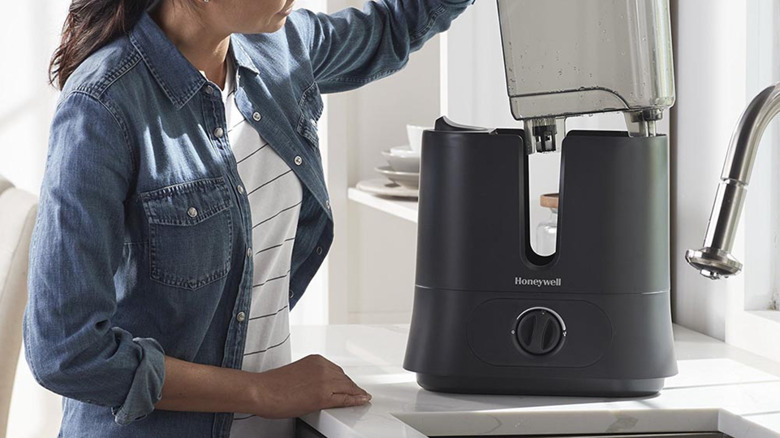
{"x":275,"y":196}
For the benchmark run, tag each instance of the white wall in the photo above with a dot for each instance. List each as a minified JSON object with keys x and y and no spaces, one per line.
{"x":732,"y":68}
{"x":380,"y":249}
{"x":710,"y":63}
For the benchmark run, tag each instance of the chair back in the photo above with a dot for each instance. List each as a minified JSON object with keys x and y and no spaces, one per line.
{"x":17,"y":218}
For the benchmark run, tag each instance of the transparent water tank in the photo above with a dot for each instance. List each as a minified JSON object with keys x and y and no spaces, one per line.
{"x":573,"y":57}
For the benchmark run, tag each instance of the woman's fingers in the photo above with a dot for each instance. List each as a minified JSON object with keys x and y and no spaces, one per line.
{"x":349,"y":388}
{"x":347,"y":400}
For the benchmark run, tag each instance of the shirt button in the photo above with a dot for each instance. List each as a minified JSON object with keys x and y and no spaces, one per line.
{"x":313,"y":122}
{"x":319,"y":250}
{"x":209,"y":90}
{"x":192,"y":212}
{"x":298,"y":160}
{"x":327,"y":204}
{"x":240,"y":189}
{"x":257,"y":116}
{"x":249,"y":252}
{"x":241,"y":316}
{"x":219,"y":132}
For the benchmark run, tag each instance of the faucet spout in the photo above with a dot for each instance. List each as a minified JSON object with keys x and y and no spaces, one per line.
{"x":714,"y":260}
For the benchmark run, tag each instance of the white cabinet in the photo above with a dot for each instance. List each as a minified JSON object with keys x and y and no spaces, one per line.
{"x":369,"y":274}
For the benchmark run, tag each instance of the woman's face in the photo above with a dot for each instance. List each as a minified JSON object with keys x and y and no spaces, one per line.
{"x":249,"y":16}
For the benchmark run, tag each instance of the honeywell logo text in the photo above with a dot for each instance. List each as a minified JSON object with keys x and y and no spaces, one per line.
{"x":538,"y":282}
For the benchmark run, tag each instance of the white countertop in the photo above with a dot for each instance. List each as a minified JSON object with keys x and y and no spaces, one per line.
{"x":718,"y":388}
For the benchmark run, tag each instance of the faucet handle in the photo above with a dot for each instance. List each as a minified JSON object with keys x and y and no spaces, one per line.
{"x":713,"y":263}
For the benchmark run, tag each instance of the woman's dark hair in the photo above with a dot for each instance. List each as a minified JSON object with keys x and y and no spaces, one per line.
{"x":90,"y":25}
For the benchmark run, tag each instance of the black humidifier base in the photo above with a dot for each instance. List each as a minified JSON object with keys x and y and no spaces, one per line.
{"x":491,"y":316}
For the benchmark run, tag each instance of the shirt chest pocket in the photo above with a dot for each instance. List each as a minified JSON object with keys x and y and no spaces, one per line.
{"x":311,"y":107}
{"x":190,"y":233}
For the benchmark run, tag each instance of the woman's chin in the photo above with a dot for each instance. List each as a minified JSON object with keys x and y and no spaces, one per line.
{"x":280,"y":23}
{"x":281,"y":18}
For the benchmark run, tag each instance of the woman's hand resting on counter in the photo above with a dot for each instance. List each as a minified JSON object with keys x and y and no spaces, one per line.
{"x":308,"y":385}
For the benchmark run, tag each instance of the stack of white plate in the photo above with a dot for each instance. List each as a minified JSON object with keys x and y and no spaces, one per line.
{"x":403,"y":166}
{"x":402,"y":174}
{"x":402,"y":171}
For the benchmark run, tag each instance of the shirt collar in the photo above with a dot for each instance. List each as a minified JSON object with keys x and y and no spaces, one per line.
{"x":239,"y":54}
{"x":177,"y":77}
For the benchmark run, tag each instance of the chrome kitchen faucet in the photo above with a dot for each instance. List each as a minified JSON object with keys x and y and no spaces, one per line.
{"x":714,"y":260}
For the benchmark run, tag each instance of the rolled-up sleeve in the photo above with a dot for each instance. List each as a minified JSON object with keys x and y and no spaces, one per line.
{"x":71,"y":345}
{"x":353,"y":47}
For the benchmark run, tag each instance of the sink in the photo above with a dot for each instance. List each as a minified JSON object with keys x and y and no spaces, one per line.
{"x":655,"y":435}
{"x":512,"y":423}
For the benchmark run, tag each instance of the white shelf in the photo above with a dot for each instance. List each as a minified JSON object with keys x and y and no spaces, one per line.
{"x":405,"y":209}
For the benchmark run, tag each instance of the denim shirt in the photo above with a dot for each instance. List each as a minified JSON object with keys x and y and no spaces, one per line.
{"x":142,"y":243}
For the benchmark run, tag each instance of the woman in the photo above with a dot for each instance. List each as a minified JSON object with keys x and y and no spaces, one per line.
{"x":184,"y":210}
